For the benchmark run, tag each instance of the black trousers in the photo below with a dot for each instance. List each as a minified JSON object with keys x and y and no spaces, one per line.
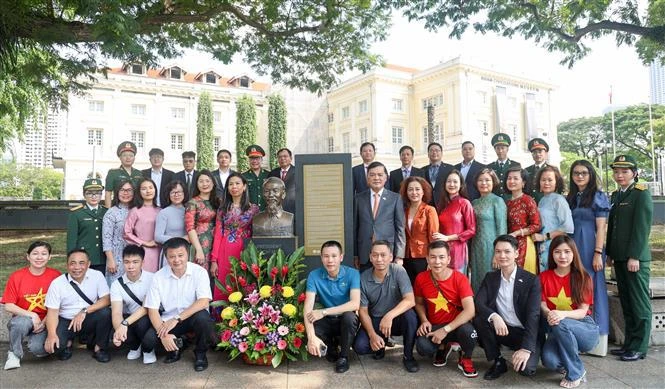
{"x":465,"y":335}
{"x":343,"y":326}
{"x":200,"y":324}
{"x":491,"y":342}
{"x":414,"y":266}
{"x":141,"y":333}
{"x":95,"y":331}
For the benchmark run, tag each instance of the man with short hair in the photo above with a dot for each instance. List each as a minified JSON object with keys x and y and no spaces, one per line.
{"x":287,"y":173}
{"x":255,"y":175}
{"x":221,"y":174}
{"x":405,"y":171}
{"x":337,"y":288}
{"x":129,"y":317}
{"x":501,"y":142}
{"x":444,"y":303}
{"x":78,"y":302}
{"x":161,"y":176}
{"x":84,"y":225}
{"x":386,"y":307}
{"x":188,"y":175}
{"x":437,"y":171}
{"x":367,"y":153}
{"x":508,"y":312}
{"x":182,"y":289}
{"x":469,"y":167}
{"x":539,"y":152}
{"x":127,"y":154}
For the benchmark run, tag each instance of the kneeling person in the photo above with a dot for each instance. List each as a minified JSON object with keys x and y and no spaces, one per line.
{"x":508,"y":306}
{"x":386,"y":306}
{"x":78,"y":302}
{"x":130,"y":319}
{"x":183,"y":290}
{"x":444,"y":303}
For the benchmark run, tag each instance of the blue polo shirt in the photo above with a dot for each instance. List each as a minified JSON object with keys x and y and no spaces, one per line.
{"x":332,"y":292}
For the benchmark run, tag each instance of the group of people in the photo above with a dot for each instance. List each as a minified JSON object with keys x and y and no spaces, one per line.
{"x":426,"y":241}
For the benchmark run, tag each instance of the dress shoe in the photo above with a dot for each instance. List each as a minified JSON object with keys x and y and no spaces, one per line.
{"x":201,"y":362}
{"x":498,"y":368}
{"x":65,"y":354}
{"x":528,"y":373}
{"x":411,"y":365}
{"x":378,"y":355}
{"x":101,"y":356}
{"x":390,"y":342}
{"x":173,"y":356}
{"x":617,"y":352}
{"x":630,"y":356}
{"x":342,"y":365}
{"x":332,"y":355}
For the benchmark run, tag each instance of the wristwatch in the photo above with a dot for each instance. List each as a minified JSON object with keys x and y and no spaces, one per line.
{"x":548,"y":236}
{"x":324,"y":313}
{"x":177,"y":318}
{"x":84,"y":310}
{"x":125,"y":323}
{"x":447,"y":328}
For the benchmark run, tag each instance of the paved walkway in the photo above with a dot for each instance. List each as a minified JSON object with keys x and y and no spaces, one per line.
{"x":84,"y":372}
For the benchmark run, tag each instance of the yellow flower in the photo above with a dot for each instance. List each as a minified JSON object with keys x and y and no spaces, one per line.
{"x":287,"y":291}
{"x":228,"y":313}
{"x":289,"y":310}
{"x":235,"y":297}
{"x":265,"y":291}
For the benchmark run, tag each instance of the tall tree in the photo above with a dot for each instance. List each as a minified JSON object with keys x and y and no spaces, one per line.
{"x":27,"y":182}
{"x":245,"y":129}
{"x":204,"y":137}
{"x":276,"y":126}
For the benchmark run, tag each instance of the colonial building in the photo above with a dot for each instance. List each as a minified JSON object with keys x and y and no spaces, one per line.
{"x":388,"y":106}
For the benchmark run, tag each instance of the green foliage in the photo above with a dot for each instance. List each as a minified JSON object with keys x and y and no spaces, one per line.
{"x":245,"y":129}
{"x":276,"y":126}
{"x":18,"y":182}
{"x":204,"y":135}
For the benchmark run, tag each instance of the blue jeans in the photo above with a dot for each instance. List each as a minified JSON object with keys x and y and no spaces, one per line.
{"x":405,"y":324}
{"x":21,"y":327}
{"x":564,"y":343}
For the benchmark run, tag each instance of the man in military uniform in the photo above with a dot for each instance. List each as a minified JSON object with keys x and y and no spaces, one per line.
{"x":256,"y":175}
{"x":501,"y":143}
{"x":126,"y":153}
{"x":539,"y":152}
{"x":628,"y":229}
{"x":84,"y":225}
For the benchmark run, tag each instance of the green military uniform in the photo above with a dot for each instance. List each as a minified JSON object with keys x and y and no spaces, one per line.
{"x":115,"y":175}
{"x":84,"y":227}
{"x":532,"y":171}
{"x":501,"y":169}
{"x":628,"y":229}
{"x":254,"y":182}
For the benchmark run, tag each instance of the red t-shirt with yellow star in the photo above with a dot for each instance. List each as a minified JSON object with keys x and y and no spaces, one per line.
{"x":556,"y":292}
{"x":28,"y":291}
{"x":442,"y":309}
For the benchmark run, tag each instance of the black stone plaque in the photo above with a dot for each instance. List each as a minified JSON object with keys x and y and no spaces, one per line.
{"x":270,"y":245}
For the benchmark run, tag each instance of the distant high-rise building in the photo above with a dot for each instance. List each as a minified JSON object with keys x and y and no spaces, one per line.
{"x":42,"y":140}
{"x":657,"y":81}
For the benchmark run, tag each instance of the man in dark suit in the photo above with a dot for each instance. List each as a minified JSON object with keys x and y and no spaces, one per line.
{"x":501,"y":143}
{"x":162,"y":177}
{"x":287,"y":173}
{"x":378,"y":215}
{"x":222,"y":173}
{"x":188,"y":175}
{"x":469,"y":167}
{"x":407,"y":169}
{"x":367,"y":153}
{"x":437,"y":171}
{"x":508,"y":312}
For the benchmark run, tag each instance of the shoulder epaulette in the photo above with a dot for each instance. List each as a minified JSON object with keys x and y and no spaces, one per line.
{"x":640,"y":187}
{"x":76,"y":208}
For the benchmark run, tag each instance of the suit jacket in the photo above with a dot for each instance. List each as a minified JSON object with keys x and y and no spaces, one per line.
{"x":289,"y":203}
{"x":471,"y":178}
{"x":180,"y":176}
{"x":219,"y":185}
{"x":359,"y":179}
{"x":526,"y":301}
{"x":167,"y":177}
{"x":388,"y":225}
{"x":444,"y":169}
{"x":395,"y":180}
{"x":425,"y":223}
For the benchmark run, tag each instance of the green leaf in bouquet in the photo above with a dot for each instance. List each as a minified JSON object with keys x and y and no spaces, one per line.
{"x":277,"y":358}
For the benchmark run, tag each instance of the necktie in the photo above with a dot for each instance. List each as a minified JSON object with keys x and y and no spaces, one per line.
{"x":375,"y":209}
{"x":189,"y":180}
{"x":433,"y":173}
{"x":283,"y":175}
{"x":500,"y":165}
{"x":405,"y":173}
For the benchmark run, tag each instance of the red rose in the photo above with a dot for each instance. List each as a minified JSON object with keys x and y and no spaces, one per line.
{"x":256,"y":270}
{"x":297,"y":342}
{"x":243,"y":265}
{"x":285,"y":271}
{"x":301,"y":298}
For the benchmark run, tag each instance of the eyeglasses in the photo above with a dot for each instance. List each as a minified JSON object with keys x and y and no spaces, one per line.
{"x":93,"y":194}
{"x":176,"y":193}
{"x":130,"y":190}
{"x":580,"y":174}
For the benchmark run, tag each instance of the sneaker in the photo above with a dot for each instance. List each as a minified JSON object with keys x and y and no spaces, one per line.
{"x":441,"y":357}
{"x":134,"y":354}
{"x":466,"y":365}
{"x":13,"y":362}
{"x":149,"y":358}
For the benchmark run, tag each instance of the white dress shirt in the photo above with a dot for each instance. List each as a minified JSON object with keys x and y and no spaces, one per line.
{"x":62,"y":296}
{"x":177,"y":294}
{"x":156,"y":176}
{"x":504,"y":301}
{"x":139,"y":287}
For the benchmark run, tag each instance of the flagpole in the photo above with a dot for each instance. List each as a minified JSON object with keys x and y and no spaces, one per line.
{"x":614,"y":147}
{"x":653,"y":154}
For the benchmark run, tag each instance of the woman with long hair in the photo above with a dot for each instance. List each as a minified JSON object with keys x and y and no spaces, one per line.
{"x":590,"y":208}
{"x":422,"y":223}
{"x":491,"y":221}
{"x":113,"y":229}
{"x":171,"y":219}
{"x":457,"y":223}
{"x":233,"y":226}
{"x":200,"y":214}
{"x":523,"y":218}
{"x":140,"y":223}
{"x":566,"y":300}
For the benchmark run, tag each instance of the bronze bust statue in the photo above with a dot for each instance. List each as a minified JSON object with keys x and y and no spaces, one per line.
{"x":274,"y":221}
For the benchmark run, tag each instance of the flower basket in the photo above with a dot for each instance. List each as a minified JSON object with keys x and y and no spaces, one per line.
{"x":262,"y":321}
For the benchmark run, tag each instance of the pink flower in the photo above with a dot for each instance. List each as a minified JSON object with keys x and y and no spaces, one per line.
{"x":242,"y":347}
{"x":226,"y":335}
{"x":274,"y":317}
{"x":283,"y":330}
{"x":259,"y":346}
{"x":244,"y":331}
{"x":281,"y":344}
{"x":247,"y":316}
{"x":253,"y":298}
{"x":297,"y":342}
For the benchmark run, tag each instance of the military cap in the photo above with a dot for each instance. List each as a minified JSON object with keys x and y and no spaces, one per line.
{"x":255,"y":151}
{"x":501,"y":139}
{"x":93,"y":183}
{"x":538,"y":144}
{"x":624,"y":161}
{"x":126,"y":146}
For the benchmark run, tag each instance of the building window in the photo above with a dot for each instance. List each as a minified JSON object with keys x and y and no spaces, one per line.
{"x":363,"y":135}
{"x":398,"y":136}
{"x":397,"y":105}
{"x":211,"y":78}
{"x":244,"y":82}
{"x":96,"y":106}
{"x":177,"y":113}
{"x":138,"y":137}
{"x":331,"y":117}
{"x":437,"y":132}
{"x":331,"y":144}
{"x":434,"y":101}
{"x":177,"y":141}
{"x":95,"y":136}
{"x":138,"y":109}
{"x":346,"y":113}
{"x":137,"y":68}
{"x":217,"y":143}
{"x":346,"y":142}
{"x":362,"y":107}
{"x":175,"y":73}
{"x":217,"y":116}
